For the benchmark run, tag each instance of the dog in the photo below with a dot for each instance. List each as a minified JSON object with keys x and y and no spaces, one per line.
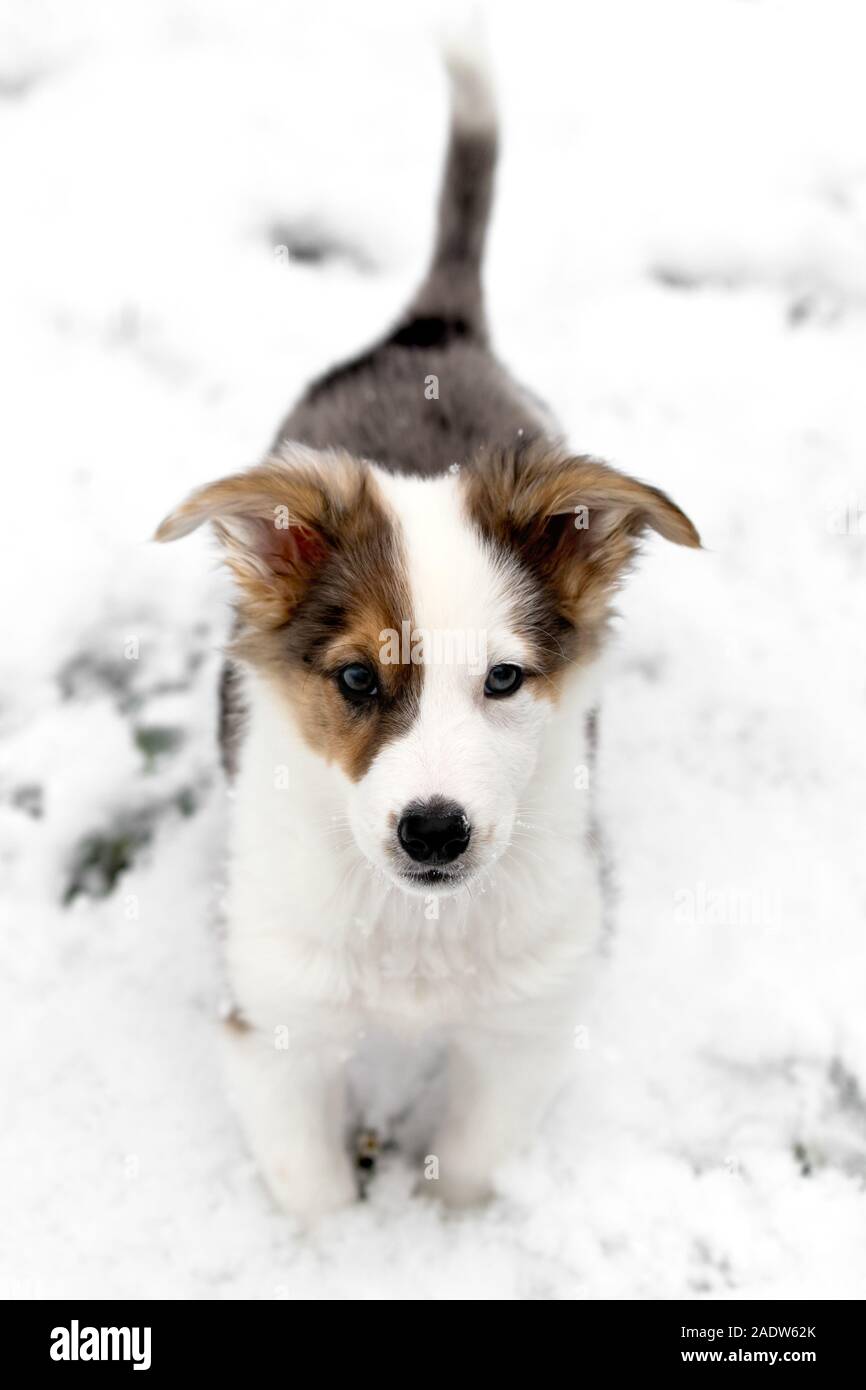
{"x":424,"y":575}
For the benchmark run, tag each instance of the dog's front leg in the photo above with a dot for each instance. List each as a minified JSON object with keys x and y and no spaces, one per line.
{"x":499,"y":1086}
{"x":289,"y":1094}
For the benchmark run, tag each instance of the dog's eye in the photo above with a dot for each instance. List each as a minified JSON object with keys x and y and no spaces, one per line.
{"x":502,"y":680}
{"x":357,"y":682}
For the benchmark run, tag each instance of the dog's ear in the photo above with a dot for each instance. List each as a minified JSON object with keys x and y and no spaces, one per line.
{"x":277,"y":523}
{"x":573,"y":521}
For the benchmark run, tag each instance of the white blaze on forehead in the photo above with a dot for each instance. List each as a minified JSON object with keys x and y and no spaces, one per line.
{"x":475,"y":753}
{"x":457,"y":587}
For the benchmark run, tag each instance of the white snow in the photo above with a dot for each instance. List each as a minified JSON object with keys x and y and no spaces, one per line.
{"x":678,"y":264}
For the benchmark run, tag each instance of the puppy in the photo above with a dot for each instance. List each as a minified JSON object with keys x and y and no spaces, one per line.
{"x":424,"y":575}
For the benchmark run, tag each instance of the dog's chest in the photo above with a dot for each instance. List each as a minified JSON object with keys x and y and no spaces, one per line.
{"x":414,"y":967}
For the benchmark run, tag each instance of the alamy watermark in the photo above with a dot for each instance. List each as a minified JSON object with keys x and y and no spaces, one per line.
{"x":412,"y":646}
{"x":847,"y":518}
{"x":703,"y":905}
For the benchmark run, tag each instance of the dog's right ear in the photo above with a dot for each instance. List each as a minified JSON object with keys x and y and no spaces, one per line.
{"x":277,"y":523}
{"x":572,"y":521}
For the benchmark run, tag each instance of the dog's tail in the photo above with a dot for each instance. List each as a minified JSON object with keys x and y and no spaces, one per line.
{"x":449,"y":303}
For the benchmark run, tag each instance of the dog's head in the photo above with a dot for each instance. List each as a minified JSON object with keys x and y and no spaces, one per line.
{"x":419,"y":632}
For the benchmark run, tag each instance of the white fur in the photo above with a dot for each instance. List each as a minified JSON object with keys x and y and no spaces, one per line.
{"x":323,"y":941}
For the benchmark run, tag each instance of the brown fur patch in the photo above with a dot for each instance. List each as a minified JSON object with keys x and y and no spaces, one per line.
{"x":575,"y":526}
{"x":277,"y":522}
{"x":316,"y":594}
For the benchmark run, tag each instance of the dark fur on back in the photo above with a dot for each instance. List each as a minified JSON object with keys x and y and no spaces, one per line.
{"x":381,"y":405}
{"x":375,"y":407}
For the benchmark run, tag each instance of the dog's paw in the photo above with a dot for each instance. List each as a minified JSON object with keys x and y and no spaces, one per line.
{"x":310,"y":1192}
{"x":455,"y":1187}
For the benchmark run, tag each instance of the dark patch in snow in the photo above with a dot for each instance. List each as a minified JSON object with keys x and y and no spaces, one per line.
{"x":102,"y":858}
{"x":156,"y":741}
{"x":15,"y":85}
{"x":309,"y":243}
{"x":718,"y":1269}
{"x":830,"y":1132}
{"x":29,"y":798}
{"x":804,"y":1160}
{"x":650,"y":668}
{"x":87,"y":674}
{"x":90,"y":674}
{"x":814,"y":307}
{"x":674,"y":279}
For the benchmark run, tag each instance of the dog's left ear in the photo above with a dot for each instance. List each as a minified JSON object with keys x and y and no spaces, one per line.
{"x":278,"y":523}
{"x":573,"y":521}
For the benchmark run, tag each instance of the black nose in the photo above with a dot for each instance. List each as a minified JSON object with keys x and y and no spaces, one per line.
{"x":435,"y":833}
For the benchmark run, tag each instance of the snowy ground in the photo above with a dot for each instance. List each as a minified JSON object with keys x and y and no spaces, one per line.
{"x":678,"y":263}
